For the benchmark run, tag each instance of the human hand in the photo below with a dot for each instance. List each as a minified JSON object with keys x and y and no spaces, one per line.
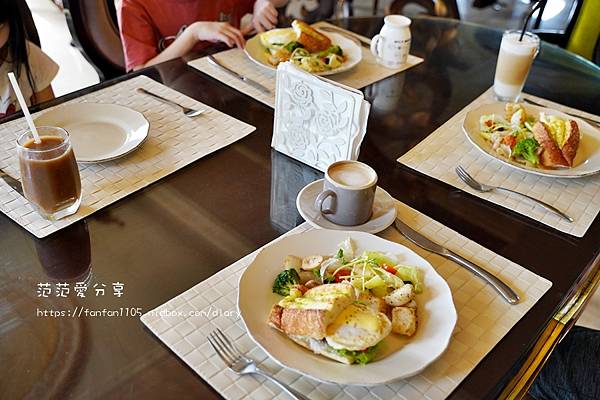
{"x":217,"y":32}
{"x":264,"y":16}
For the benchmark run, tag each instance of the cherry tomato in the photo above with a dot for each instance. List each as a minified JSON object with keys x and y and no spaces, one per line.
{"x":338,"y":277}
{"x":389,"y":269}
{"x":510,"y":141}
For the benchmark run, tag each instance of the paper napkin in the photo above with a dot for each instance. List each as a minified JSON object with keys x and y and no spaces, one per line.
{"x":317,"y":121}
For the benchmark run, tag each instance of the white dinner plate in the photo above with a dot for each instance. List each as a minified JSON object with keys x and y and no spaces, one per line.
{"x":399,"y":356}
{"x":257,"y":53}
{"x":99,"y":132}
{"x":587,"y":160}
{"x":384,"y":210}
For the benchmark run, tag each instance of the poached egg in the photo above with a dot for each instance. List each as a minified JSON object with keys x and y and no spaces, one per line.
{"x":358,"y":327}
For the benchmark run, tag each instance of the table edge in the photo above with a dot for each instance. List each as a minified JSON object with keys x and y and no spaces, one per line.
{"x":556,"y":329}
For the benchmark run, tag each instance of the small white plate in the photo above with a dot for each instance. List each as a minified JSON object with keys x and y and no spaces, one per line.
{"x":384,"y":210}
{"x":257,"y":53}
{"x":587,"y":160}
{"x":399,"y":357}
{"x":99,"y":132}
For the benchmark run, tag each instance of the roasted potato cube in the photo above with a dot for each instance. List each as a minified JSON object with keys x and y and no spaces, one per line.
{"x":404,"y":320}
{"x":401,"y":296}
{"x":311,"y":262}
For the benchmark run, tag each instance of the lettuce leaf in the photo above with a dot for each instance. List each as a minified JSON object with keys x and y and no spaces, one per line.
{"x":360,"y":357}
{"x":378,"y":258}
{"x":410,"y":274}
{"x":345,"y":250}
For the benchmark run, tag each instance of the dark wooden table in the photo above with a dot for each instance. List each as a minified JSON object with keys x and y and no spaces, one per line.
{"x":184,"y":228}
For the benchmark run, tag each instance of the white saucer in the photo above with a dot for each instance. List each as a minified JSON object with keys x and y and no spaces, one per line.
{"x":384,"y":210}
{"x":99,"y":132}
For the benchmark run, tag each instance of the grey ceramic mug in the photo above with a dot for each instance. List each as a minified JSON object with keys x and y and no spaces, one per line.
{"x":348,"y":193}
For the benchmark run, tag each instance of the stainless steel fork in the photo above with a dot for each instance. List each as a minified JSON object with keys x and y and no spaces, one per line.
{"x":480,"y":187}
{"x":188,"y":112}
{"x":238,"y":363}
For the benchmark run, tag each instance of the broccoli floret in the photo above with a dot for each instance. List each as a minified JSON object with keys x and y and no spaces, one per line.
{"x":333,"y":49}
{"x":285,"y":280}
{"x":526,"y":148}
{"x":293,"y":45}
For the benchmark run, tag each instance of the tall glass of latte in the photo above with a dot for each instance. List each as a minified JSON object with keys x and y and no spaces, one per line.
{"x":514,"y":61}
{"x":49,"y":172}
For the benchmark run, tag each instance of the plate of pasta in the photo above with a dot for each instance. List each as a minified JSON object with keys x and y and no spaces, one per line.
{"x":306,"y":47}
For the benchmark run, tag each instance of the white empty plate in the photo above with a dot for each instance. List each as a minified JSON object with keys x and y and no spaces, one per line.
{"x":257,"y":53}
{"x":399,"y":357}
{"x":384,"y":210}
{"x":98,"y":132}
{"x":587,"y":160}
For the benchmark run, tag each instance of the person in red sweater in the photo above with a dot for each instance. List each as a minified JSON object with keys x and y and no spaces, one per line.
{"x":153,"y":31}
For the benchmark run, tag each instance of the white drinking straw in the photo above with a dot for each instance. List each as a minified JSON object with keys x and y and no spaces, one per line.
{"x":17,"y":89}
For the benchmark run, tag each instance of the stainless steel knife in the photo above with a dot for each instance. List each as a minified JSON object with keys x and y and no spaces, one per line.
{"x":243,"y":78}
{"x":354,"y":37}
{"x":421,"y":241}
{"x":12,"y":182}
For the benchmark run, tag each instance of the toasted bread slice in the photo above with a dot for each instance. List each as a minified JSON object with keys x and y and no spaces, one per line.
{"x":312,"y":40}
{"x":310,"y":314}
{"x":306,"y":323}
{"x":569,"y":149}
{"x":404,"y":320}
{"x":309,"y":323}
{"x":275,"y":317}
{"x":551,"y":155}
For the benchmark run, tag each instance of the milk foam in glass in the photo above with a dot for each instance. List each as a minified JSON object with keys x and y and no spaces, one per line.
{"x":514,"y":61}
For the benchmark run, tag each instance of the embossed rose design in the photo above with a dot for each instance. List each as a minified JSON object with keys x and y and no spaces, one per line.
{"x":297,"y":135}
{"x":302,"y":94}
{"x":331,"y":119}
{"x":326,"y":122}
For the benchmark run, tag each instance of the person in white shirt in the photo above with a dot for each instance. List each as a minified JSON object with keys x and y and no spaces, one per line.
{"x":34,"y":69}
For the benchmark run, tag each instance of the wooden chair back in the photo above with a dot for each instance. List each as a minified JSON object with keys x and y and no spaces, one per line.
{"x":93,"y":25}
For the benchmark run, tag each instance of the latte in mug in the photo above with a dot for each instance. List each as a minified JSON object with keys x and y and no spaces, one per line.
{"x":348,"y":193}
{"x":352,"y":174}
{"x":514,"y":61}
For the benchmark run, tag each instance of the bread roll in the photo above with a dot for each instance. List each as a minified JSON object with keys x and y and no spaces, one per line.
{"x":312,"y":40}
{"x":569,"y":150}
{"x":551,"y":155}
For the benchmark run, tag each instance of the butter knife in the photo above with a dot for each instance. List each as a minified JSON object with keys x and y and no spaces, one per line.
{"x":347,"y":34}
{"x":12,"y":182}
{"x":505,"y":291}
{"x":243,"y":78}
{"x":589,"y":120}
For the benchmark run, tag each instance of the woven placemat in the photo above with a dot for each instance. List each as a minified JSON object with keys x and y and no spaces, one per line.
{"x":364,"y":74}
{"x":440,"y":152}
{"x":173,"y":142}
{"x":483,"y":319}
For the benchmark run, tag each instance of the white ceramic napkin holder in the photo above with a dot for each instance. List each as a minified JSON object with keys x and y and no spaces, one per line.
{"x":317,"y":121}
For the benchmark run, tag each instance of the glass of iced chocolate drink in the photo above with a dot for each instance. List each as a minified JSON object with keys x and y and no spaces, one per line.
{"x":49,"y":172}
